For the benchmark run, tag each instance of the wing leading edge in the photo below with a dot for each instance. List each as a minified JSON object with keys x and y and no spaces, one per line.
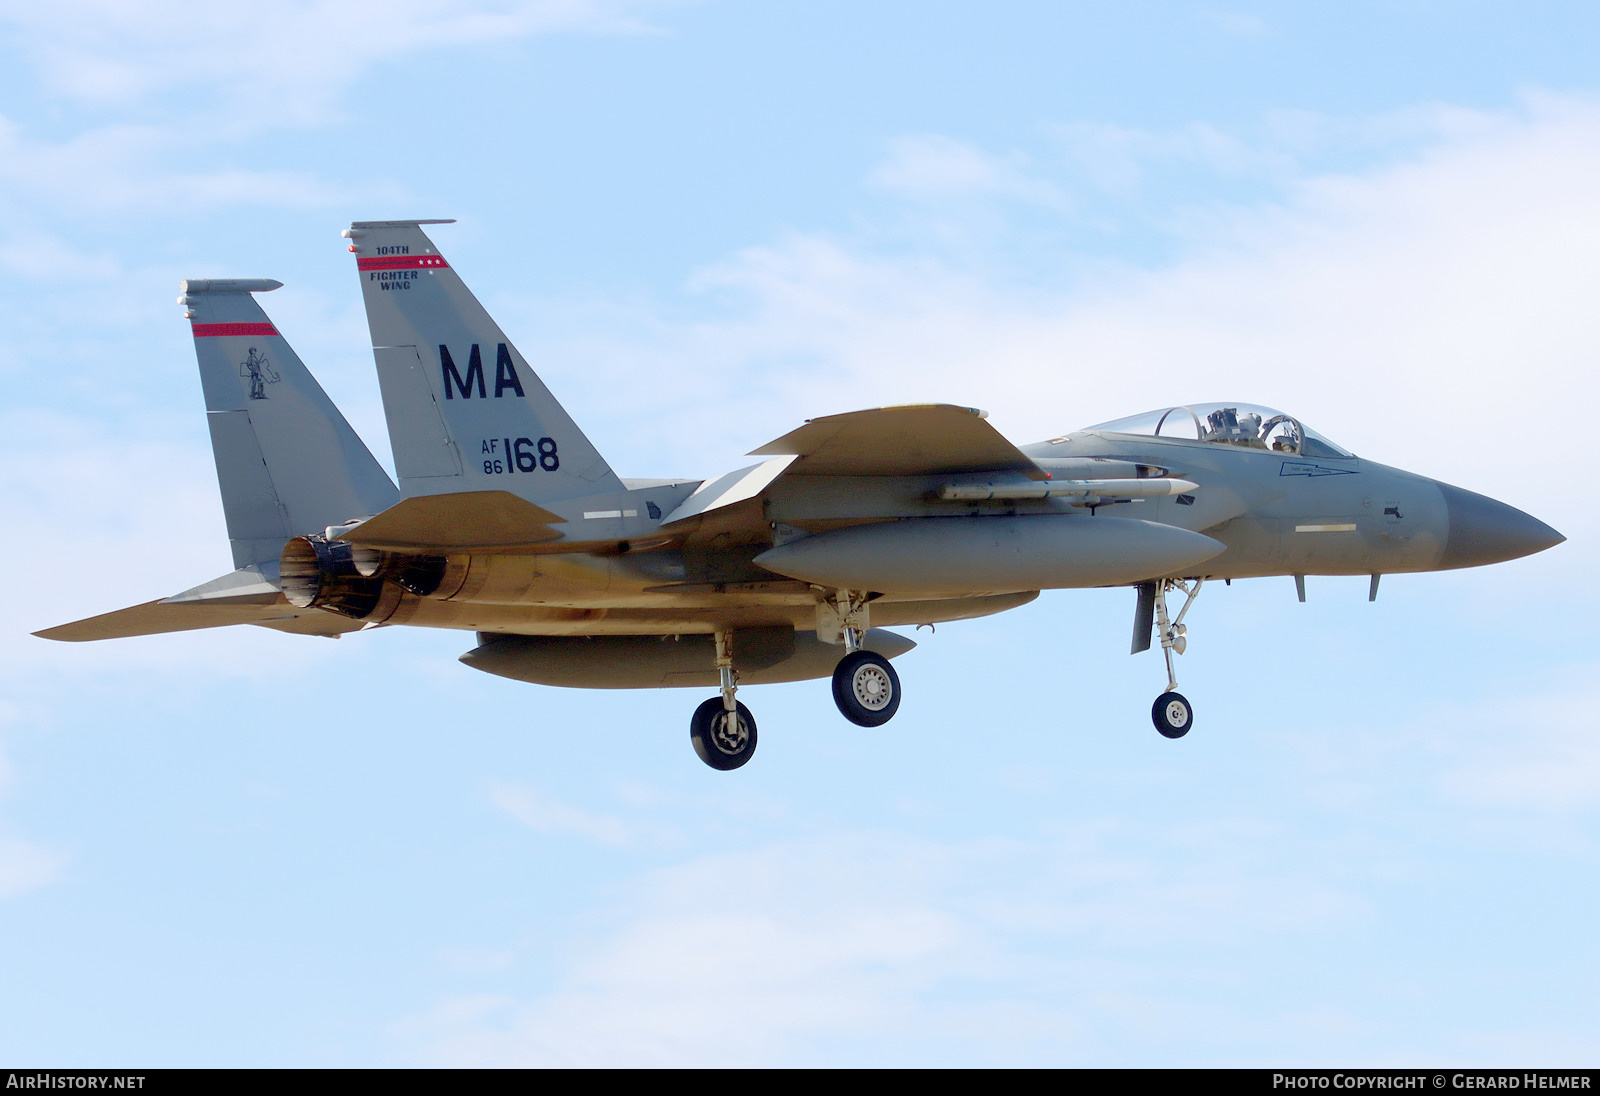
{"x":917,"y":439}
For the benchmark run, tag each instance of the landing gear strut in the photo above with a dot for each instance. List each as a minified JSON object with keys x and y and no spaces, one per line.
{"x":865,"y":687}
{"x":723,"y":730}
{"x":1171,"y":712}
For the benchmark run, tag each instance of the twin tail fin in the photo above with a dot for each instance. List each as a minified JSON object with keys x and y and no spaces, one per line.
{"x":465,"y":410}
{"x":288,"y":463}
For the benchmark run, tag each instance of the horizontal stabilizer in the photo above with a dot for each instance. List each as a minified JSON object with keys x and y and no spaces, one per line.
{"x":246,"y":586}
{"x":245,"y":596}
{"x":156,"y":617}
{"x":467,"y":521}
{"x":922,"y":439}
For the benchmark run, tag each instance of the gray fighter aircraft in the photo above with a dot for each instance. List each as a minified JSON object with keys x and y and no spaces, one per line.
{"x":508,"y":522}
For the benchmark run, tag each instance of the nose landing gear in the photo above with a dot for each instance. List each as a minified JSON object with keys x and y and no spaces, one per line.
{"x":1171,"y":712}
{"x":722,"y":730}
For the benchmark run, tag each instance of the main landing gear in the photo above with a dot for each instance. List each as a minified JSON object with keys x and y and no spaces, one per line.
{"x":1171,"y":712}
{"x":722,"y":730}
{"x":865,"y":687}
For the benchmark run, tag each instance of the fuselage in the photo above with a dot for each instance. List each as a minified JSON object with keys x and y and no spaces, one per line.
{"x":1303,"y":509}
{"x":507,"y":521}
{"x":1323,"y":513}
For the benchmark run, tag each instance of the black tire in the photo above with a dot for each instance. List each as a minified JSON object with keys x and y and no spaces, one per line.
{"x":866,"y":689}
{"x":1172,"y":715}
{"x":708,"y":730}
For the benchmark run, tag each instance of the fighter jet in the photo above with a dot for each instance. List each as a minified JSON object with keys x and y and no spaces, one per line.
{"x":509,"y":523}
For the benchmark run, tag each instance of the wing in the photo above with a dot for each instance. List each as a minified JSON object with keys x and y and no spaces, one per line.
{"x":882,"y":442}
{"x":467,"y":521}
{"x":921,"y":439}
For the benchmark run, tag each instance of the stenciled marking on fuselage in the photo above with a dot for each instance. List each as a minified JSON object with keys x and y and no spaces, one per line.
{"x":505,"y":374}
{"x":505,"y":456}
{"x":1300,"y":468}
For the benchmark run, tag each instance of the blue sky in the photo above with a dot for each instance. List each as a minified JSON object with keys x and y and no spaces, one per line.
{"x":706,"y":222}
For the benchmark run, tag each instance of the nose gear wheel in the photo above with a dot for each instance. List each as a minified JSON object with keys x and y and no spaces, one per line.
{"x":1172,"y":715}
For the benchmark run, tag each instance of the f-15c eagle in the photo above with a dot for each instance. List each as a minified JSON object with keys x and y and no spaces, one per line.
{"x":509,"y":523}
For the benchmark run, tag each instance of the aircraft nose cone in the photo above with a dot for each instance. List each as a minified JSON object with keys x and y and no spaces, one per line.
{"x":1482,"y":530}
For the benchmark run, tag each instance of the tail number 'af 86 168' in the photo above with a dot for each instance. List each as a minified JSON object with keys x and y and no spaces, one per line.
{"x":506,"y":456}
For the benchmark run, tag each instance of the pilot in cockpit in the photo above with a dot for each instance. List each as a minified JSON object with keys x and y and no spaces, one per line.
{"x":1226,"y":425}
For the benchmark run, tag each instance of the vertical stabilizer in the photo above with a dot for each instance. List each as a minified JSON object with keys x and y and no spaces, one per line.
{"x":287,"y":461}
{"x":465,"y":411}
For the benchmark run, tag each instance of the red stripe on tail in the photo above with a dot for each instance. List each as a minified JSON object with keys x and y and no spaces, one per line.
{"x":217,"y":330}
{"x":401,"y":262}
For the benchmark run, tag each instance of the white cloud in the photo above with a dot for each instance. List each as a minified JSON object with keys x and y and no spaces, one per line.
{"x":543,"y":814}
{"x":728,"y":960}
{"x":227,"y":72}
{"x":932,"y":166}
{"x":1119,"y":158}
{"x":119,"y":167}
{"x":1535,"y":753}
{"x":282,"y":58}
{"x":765,"y":955}
{"x":25,"y":866}
{"x":45,"y":257}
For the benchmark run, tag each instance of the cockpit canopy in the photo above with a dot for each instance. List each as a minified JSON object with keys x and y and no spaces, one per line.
{"x":1245,"y":425}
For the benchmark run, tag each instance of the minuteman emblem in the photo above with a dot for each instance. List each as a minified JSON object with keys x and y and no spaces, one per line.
{"x":260,"y":371}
